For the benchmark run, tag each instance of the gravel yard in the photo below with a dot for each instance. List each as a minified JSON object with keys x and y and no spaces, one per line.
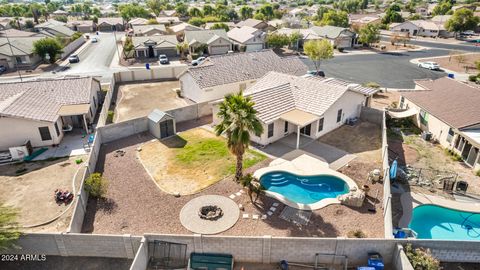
{"x":132,"y":189}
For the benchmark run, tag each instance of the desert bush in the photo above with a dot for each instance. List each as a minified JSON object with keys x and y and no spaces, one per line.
{"x":356,"y":234}
{"x":96,"y":185}
{"x":110,"y":116}
{"x":421,"y":259}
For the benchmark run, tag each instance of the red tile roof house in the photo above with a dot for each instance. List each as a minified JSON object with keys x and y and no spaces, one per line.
{"x":450,"y":110}
{"x":307,"y":106}
{"x":42,"y":111}
{"x":225,"y":74}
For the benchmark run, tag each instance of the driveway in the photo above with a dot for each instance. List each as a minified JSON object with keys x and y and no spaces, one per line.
{"x":139,"y":99}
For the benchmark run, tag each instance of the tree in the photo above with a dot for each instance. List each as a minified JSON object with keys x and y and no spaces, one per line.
{"x":267,"y":11}
{"x":182,"y":48}
{"x":220,"y":26}
{"x":318,"y":50}
{"x":253,"y":186}
{"x":238,"y":121}
{"x":29,"y":24}
{"x":276,"y":41}
{"x":96,"y":185}
{"x":364,"y":4}
{"x":369,"y":34}
{"x":127,"y":48}
{"x":130,"y":11}
{"x":195,"y":12}
{"x":61,"y":19}
{"x":181,"y":9}
{"x":47,"y":46}
{"x":9,"y":232}
{"x":259,"y":16}
{"x":392,"y":15}
{"x":196,"y":21}
{"x":208,"y":10}
{"x":295,"y":38}
{"x":152,"y":21}
{"x":462,"y":20}
{"x":442,"y":8}
{"x":155,"y":6}
{"x":335,"y":18}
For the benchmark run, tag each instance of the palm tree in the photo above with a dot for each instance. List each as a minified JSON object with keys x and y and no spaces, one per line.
{"x":182,"y":47}
{"x":239,"y":119}
{"x":253,"y":186}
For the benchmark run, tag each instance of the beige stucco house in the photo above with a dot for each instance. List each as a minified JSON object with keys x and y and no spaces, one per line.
{"x":215,"y":41}
{"x":149,"y":30}
{"x":247,"y":39}
{"x":307,"y":106}
{"x":339,"y":37}
{"x":221,"y":75}
{"x":450,"y":111}
{"x":153,"y":46}
{"x":17,"y":52}
{"x":43,"y":111}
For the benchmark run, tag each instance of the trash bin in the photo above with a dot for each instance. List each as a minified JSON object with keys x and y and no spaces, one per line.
{"x":147,"y":66}
{"x":451,"y":76}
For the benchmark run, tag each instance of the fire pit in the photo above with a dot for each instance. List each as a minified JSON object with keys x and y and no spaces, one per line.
{"x":210,"y":212}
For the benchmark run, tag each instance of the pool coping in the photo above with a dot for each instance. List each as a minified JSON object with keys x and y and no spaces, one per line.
{"x":304,"y":165}
{"x":411,"y":200}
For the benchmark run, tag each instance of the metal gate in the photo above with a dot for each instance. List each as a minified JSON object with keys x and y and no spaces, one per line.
{"x":167,"y":255}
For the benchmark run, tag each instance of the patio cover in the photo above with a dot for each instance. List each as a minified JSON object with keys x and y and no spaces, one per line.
{"x":299,"y":117}
{"x":75,"y":109}
{"x":403,"y":114}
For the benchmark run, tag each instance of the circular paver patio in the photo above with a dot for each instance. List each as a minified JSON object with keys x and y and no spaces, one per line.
{"x":191,"y":220}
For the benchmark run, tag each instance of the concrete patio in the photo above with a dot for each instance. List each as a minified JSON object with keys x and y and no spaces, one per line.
{"x":285,"y":148}
{"x":73,"y":144}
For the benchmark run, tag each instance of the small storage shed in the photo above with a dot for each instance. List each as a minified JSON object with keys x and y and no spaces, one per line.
{"x":161,"y":124}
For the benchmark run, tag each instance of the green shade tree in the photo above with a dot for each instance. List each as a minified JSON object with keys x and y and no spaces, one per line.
{"x":335,"y":18}
{"x":276,"y":41}
{"x":47,"y":46}
{"x":238,"y":121}
{"x":318,"y":50}
{"x":369,"y":34}
{"x":462,"y":20}
{"x":220,"y":26}
{"x":156,"y":6}
{"x":442,"y":8}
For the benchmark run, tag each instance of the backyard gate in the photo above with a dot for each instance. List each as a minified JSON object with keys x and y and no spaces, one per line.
{"x":167,"y":255}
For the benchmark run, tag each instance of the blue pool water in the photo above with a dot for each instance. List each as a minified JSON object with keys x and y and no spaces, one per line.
{"x":436,"y":222}
{"x":304,"y":189}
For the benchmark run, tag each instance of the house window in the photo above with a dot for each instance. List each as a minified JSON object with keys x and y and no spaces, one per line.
{"x":56,"y":129}
{"x":285,"y":128}
{"x":450,"y":135}
{"x":423,"y":117}
{"x":339,"y":115}
{"x":320,"y":124}
{"x":270,"y":130}
{"x":45,"y":133}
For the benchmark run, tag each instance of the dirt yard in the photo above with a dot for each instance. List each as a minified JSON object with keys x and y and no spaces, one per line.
{"x":131,"y":189}
{"x":463,"y":63}
{"x":388,"y":47}
{"x":29,"y":188}
{"x":191,"y":161}
{"x":139,"y":99}
{"x":382,"y":100}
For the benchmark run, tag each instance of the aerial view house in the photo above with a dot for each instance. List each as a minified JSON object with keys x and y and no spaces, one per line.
{"x":12,"y":32}
{"x":360,"y":20}
{"x":59,"y":13}
{"x":210,"y":24}
{"x":449,"y":110}
{"x":168,"y":13}
{"x":153,"y":46}
{"x":137,"y":21}
{"x":20,"y":54}
{"x":309,"y":106}
{"x":54,"y":28}
{"x":422,"y":28}
{"x":110,"y":24}
{"x":247,"y":38}
{"x":339,"y":37}
{"x":234,"y":72}
{"x":264,"y":26}
{"x":42,"y":111}
{"x":149,"y":30}
{"x":82,"y":26}
{"x":180,"y":29}
{"x":168,"y":20}
{"x":209,"y":41}
{"x":307,"y":34}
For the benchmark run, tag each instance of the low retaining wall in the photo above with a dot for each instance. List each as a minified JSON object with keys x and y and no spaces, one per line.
{"x":191,"y":112}
{"x":387,"y":195}
{"x":157,"y":73}
{"x":400,"y":260}
{"x":72,"y":46}
{"x":371,"y":115}
{"x":122,"y":129}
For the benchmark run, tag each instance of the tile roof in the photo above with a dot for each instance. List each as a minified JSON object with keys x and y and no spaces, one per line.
{"x":138,"y":21}
{"x":41,"y":100}
{"x":111,"y":20}
{"x":455,"y":103}
{"x":249,"y":22}
{"x":278,"y":93}
{"x":160,"y":41}
{"x":352,"y":86}
{"x":328,"y":31}
{"x":79,"y":23}
{"x":168,"y":19}
{"x":242,"y":34}
{"x":141,"y":29}
{"x":20,"y":45}
{"x":12,"y":32}
{"x":205,"y":36}
{"x":184,"y":27}
{"x":240,"y":67}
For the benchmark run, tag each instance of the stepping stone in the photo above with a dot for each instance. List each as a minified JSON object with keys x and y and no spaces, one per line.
{"x":245,"y":216}
{"x":254,"y":216}
{"x":269,"y":213}
{"x":276,"y":204}
{"x":232,"y":196}
{"x":238,"y":193}
{"x":264,"y":217}
{"x":273,"y":209}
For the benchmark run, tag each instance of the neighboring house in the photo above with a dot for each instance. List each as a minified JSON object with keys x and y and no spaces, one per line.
{"x":256,"y":24}
{"x":277,"y":23}
{"x":153,"y":46}
{"x":221,"y":75}
{"x":168,"y":20}
{"x":40,"y":111}
{"x":53,"y":28}
{"x":82,"y":26}
{"x":230,"y":25}
{"x":422,"y":11}
{"x":18,"y":33}
{"x":137,"y":21}
{"x":307,"y":34}
{"x":167,"y":13}
{"x":449,"y":110}
{"x":110,"y":24}
{"x":422,"y":28}
{"x":309,"y":107}
{"x":59,"y":13}
{"x":339,"y":37}
{"x":361,"y":20}
{"x":149,"y":30}
{"x":22,"y":56}
{"x":214,"y":41}
{"x":247,"y":39}
{"x":179,"y":29}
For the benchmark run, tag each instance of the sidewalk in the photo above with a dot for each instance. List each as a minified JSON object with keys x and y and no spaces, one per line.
{"x":77,"y":52}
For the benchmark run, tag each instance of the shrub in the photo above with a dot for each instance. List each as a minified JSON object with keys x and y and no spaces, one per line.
{"x":477,"y":173}
{"x":473,"y":78}
{"x":453,"y":155}
{"x":110,"y":116}
{"x":356,"y":234}
{"x":421,"y":258}
{"x":372,"y":85}
{"x":96,"y":185}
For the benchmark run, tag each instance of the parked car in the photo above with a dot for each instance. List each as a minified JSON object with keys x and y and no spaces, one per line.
{"x":429,"y":65}
{"x":73,"y":59}
{"x":2,"y":69}
{"x":198,"y":61}
{"x":318,"y":73}
{"x":94,"y":40}
{"x":468,"y":33}
{"x":163,"y":59}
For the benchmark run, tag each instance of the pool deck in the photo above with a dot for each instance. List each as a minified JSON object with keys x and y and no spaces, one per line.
{"x":411,"y":200}
{"x":304,"y":165}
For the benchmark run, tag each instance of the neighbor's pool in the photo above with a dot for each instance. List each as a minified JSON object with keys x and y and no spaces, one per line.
{"x":436,"y":222}
{"x":304,"y":189}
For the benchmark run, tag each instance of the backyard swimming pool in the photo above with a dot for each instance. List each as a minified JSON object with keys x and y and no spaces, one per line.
{"x":436,"y":222}
{"x":304,"y":189}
